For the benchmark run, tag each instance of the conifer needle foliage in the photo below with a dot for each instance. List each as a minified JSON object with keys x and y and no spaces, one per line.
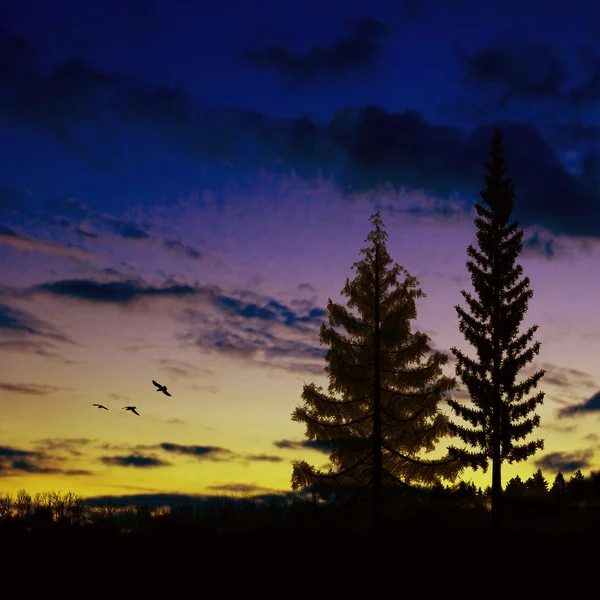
{"x":501,"y":414}
{"x":381,"y":411}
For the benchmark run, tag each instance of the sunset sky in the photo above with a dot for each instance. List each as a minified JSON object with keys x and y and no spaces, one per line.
{"x":183,"y":185}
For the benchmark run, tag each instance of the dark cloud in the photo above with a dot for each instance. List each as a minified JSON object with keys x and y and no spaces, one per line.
{"x":181,"y":368}
{"x":363,"y":149}
{"x":17,"y":240}
{"x":566,"y":377}
{"x":24,"y":332}
{"x":417,"y":9}
{"x":591,"y":405}
{"x":76,"y":209}
{"x":114,"y":292}
{"x":126,"y":229}
{"x":14,"y":461}
{"x":134,"y":460}
{"x":566,"y":462}
{"x":574,"y":133}
{"x":535,"y":244}
{"x":259,"y":329}
{"x":300,"y":445}
{"x":71,"y":446}
{"x":213,"y":453}
{"x":587,"y":92}
{"x":271,"y":311}
{"x":175,"y":499}
{"x":360,"y":50}
{"x":74,"y":93}
{"x":32,"y":389}
{"x":305,"y":287}
{"x":241,"y":488}
{"x":263,"y":458}
{"x":517,"y":69}
{"x":11,"y":199}
{"x":183,"y":249}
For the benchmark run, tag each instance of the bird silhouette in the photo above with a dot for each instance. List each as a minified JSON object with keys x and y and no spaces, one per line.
{"x":100,"y":406}
{"x":132,"y":409}
{"x":161,"y":388}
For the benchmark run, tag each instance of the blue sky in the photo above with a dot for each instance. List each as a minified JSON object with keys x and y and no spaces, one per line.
{"x":183,"y":186}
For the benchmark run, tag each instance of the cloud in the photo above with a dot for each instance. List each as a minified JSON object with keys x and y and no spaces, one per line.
{"x":12,"y":199}
{"x":183,"y":249}
{"x":134,"y":460}
{"x":126,"y":229}
{"x":517,"y":69}
{"x":300,"y":445}
{"x":305,"y":287}
{"x":20,"y":322}
{"x":364,"y":149}
{"x":258,"y":329}
{"x":212,"y":453}
{"x":180,"y":368}
{"x":360,"y":50}
{"x":176,"y":499}
{"x":75,"y":209}
{"x":19,"y":241}
{"x":32,"y":389}
{"x":588,"y":91}
{"x":114,"y":292}
{"x":239,"y":488}
{"x":263,"y":458}
{"x":591,"y":405}
{"x":566,"y":377}
{"x":566,"y":462}
{"x":14,"y":461}
{"x":574,"y":132}
{"x":71,"y":446}
{"x":534,"y":245}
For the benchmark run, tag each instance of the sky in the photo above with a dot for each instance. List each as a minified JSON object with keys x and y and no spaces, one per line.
{"x":184,"y":185}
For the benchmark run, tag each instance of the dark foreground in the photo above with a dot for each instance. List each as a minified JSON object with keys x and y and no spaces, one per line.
{"x":64,"y":535}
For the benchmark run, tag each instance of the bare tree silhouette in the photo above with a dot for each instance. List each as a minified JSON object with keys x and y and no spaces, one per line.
{"x":388,"y":410}
{"x":501,"y":413}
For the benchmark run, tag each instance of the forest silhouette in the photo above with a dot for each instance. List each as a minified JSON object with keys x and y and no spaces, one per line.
{"x":378,"y":418}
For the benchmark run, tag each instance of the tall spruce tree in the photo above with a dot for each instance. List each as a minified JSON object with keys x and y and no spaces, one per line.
{"x":501,"y":414}
{"x":384,"y":390}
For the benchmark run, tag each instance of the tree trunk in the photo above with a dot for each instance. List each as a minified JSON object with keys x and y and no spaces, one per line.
{"x":377,"y":489}
{"x":497,"y":400}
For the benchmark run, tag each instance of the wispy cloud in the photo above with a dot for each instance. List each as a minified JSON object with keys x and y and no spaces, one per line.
{"x":566,"y":462}
{"x":240,"y":488}
{"x":183,"y":249}
{"x":14,"y":461}
{"x":114,"y":292}
{"x":134,"y":460}
{"x":303,"y":444}
{"x":32,"y":389}
{"x":258,"y":329}
{"x":591,"y":405}
{"x":20,"y":241}
{"x":212,"y":453}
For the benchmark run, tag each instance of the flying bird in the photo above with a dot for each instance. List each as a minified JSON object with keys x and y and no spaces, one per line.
{"x":100,"y":406}
{"x":161,"y":388}
{"x":132,"y":409}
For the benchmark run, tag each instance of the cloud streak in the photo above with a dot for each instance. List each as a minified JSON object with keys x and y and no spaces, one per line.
{"x":589,"y":406}
{"x":358,"y":51}
{"x":19,"y":241}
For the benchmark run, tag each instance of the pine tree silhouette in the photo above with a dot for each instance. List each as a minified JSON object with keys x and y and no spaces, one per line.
{"x":558,"y":491}
{"x":389,"y":383}
{"x":501,"y":415}
{"x":515,"y":488}
{"x":537,"y":486}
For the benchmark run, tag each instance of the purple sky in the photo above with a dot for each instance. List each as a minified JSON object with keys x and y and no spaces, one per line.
{"x":183,"y":186}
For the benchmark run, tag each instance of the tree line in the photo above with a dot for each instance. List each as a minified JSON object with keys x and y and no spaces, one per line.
{"x":381,"y":411}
